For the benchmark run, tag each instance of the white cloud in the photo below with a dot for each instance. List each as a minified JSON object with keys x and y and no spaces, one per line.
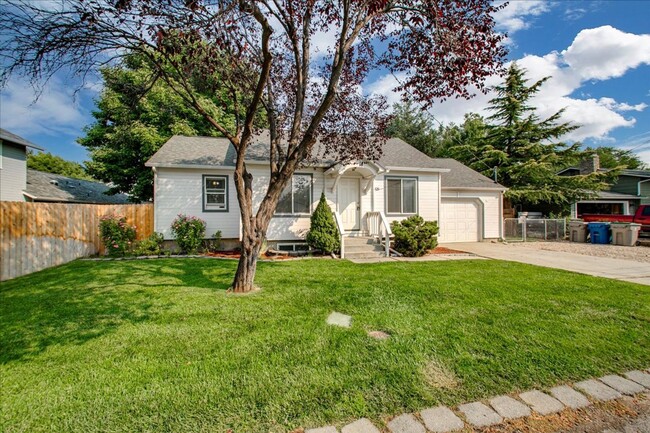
{"x":518,"y":15}
{"x":52,"y":113}
{"x":597,"y":117}
{"x":606,"y":52}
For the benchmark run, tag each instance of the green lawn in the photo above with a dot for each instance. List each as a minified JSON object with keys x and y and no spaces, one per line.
{"x":160,"y":346}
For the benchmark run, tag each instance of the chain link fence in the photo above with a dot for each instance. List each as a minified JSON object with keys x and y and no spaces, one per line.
{"x":523,"y":229}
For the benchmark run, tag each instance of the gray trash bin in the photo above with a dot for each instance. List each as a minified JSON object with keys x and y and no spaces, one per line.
{"x":578,"y":231}
{"x":626,"y":234}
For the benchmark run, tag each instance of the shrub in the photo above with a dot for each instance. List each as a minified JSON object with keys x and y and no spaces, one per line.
{"x":189,"y":232}
{"x":414,"y":236}
{"x":116,"y":234}
{"x":212,"y":245}
{"x":323,"y":234}
{"x":152,"y":246}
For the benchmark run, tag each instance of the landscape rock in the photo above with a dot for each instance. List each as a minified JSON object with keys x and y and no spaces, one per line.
{"x":597,"y":390}
{"x":541,"y":403}
{"x":441,"y":420}
{"x":339,"y":319}
{"x":509,"y":408}
{"x":405,"y":423}
{"x":570,"y":397}
{"x":479,"y":415}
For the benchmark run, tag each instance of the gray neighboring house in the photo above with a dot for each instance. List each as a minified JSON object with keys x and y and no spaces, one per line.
{"x":13,"y":165}
{"x":18,"y":183}
{"x":623,"y":197}
{"x":55,"y":188}
{"x":194,"y":176}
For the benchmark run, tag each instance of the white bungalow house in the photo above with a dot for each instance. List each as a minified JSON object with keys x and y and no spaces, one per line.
{"x":194,"y":176}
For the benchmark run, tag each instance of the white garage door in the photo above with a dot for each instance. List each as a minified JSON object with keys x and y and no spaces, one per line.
{"x":459,"y":220}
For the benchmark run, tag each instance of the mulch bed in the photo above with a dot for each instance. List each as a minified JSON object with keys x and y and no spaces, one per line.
{"x":443,"y":250}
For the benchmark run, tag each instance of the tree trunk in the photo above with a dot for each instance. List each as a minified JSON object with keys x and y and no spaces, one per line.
{"x":245,"y":275}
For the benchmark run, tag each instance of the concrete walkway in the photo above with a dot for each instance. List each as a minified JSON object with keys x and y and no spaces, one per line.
{"x":624,"y":270}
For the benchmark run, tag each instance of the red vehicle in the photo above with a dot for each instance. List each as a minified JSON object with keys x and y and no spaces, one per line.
{"x":642,"y":216}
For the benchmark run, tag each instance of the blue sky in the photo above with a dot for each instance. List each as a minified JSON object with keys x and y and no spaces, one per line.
{"x":598,"y":53}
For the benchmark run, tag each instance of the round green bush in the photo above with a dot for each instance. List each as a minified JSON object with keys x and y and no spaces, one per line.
{"x":414,"y":236}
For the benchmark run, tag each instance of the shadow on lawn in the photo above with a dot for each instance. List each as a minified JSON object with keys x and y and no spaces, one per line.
{"x":83,"y":300}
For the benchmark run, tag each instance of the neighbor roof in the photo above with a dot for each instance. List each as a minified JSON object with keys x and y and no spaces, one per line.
{"x":206,"y":152}
{"x":50,"y":187}
{"x":16,"y":139}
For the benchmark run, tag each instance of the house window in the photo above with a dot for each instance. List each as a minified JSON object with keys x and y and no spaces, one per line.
{"x":293,"y":247}
{"x":296,"y":198}
{"x":401,"y":195}
{"x":215,"y":193}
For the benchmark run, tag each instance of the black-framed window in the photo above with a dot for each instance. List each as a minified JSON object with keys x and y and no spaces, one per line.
{"x":296,"y":198}
{"x":215,"y":193}
{"x":401,"y":195}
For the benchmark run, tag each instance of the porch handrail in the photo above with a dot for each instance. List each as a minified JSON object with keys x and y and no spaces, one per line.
{"x":377,"y":226}
{"x":339,"y":225}
{"x":387,"y":231}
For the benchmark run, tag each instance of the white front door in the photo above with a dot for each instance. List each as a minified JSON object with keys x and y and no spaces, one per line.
{"x":349,"y":204}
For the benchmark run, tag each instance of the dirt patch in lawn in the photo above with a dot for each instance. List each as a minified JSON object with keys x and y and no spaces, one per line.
{"x":437,"y":375}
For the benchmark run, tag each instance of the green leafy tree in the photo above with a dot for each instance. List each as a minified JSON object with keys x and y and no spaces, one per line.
{"x":611,"y":157}
{"x":135,"y":116}
{"x":49,"y":163}
{"x":323,"y":234}
{"x":526,"y":151}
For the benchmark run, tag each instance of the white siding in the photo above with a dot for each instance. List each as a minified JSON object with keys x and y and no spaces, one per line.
{"x":491,"y":204}
{"x":13,"y":172}
{"x":181,"y":191}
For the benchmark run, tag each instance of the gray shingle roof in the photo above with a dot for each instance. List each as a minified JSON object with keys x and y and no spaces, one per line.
{"x":461,"y":176}
{"x":43,"y":186}
{"x":13,"y":138}
{"x":202,"y":152}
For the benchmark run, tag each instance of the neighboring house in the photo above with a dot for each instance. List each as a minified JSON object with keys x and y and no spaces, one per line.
{"x":13,"y":165}
{"x":194,"y":176}
{"x":55,"y":188}
{"x":623,"y":197}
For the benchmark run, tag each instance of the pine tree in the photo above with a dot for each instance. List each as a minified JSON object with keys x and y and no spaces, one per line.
{"x":527,"y":152}
{"x":323,"y":234}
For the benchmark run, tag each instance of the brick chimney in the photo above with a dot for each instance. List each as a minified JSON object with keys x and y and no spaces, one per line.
{"x":590,"y":165}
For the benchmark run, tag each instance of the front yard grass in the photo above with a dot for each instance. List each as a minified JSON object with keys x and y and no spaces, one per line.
{"x":159,"y":345}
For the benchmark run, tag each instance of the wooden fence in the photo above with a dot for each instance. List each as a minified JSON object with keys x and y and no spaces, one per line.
{"x":35,"y":236}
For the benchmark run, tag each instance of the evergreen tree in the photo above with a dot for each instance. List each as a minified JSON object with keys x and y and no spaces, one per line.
{"x":526,"y":151}
{"x":49,"y":163}
{"x":323,"y":234}
{"x":135,"y":116}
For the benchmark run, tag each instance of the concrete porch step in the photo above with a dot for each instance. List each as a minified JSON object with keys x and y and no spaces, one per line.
{"x":362,"y":248}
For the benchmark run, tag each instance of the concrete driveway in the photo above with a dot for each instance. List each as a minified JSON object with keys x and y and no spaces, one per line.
{"x":624,"y":270}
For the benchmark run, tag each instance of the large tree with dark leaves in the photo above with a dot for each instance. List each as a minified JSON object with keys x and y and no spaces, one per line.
{"x":262,"y":54}
{"x":134,"y":117}
{"x":526,"y":151}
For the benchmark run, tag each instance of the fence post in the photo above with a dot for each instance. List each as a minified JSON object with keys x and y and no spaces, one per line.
{"x":545,"y":230}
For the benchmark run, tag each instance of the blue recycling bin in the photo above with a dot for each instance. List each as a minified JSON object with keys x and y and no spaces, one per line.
{"x":599,"y":233}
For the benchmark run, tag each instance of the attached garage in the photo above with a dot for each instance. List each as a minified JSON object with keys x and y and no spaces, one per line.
{"x":460,"y":220}
{"x":471,"y":205}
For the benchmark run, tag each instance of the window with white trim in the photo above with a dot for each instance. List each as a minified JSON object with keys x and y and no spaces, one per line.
{"x":401,"y":195}
{"x":215,"y":193}
{"x":297,"y":196}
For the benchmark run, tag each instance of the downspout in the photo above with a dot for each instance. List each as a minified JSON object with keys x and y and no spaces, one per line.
{"x":155,"y":202}
{"x":638,"y":186}
{"x":501,"y":216}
